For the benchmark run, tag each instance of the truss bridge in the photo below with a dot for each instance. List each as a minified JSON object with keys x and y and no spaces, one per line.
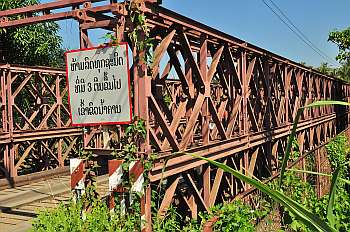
{"x":206,"y":92}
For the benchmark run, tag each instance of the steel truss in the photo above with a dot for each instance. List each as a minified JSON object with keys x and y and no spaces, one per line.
{"x":206,"y":92}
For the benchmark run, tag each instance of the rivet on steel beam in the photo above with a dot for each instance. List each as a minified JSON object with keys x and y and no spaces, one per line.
{"x":183,"y":97}
{"x":120,"y":9}
{"x":82,"y":16}
{"x":46,"y":12}
{"x":87,"y":5}
{"x":4,"y":19}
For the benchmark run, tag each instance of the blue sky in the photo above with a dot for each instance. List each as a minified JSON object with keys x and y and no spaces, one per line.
{"x":252,"y":21}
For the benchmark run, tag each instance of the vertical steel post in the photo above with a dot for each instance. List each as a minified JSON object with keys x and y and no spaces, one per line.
{"x":246,"y":167}
{"x":245,"y":92}
{"x":4,"y":117}
{"x":59,"y":122}
{"x":10,"y":102}
{"x":142,"y":92}
{"x":268,"y":147}
{"x":286,"y":86}
{"x":240,"y":76}
{"x":206,"y":184}
{"x":203,"y":62}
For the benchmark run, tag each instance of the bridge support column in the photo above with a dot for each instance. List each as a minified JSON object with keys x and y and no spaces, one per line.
{"x":11,"y":146}
{"x":206,"y":184}
{"x":245,"y":91}
{"x":142,"y":92}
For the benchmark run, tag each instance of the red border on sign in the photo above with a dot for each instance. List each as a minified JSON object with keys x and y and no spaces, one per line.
{"x":128,"y":70}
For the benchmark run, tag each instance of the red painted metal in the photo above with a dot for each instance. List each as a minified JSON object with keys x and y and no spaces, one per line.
{"x":207,"y":92}
{"x":77,"y":175}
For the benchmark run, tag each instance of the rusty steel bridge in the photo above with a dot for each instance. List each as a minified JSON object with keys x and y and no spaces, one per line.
{"x":206,"y":92}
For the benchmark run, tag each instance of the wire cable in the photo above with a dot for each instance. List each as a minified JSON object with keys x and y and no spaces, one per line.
{"x":297,"y":34}
{"x":300,"y":32}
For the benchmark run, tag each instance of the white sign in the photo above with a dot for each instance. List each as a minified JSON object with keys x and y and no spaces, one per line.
{"x":99,"y":85}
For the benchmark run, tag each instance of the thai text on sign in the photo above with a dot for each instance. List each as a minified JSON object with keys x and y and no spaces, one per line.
{"x":99,"y":85}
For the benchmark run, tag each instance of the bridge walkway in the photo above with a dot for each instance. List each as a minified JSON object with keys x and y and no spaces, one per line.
{"x":20,"y":205}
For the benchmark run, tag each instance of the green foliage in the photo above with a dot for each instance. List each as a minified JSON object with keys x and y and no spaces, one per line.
{"x":301,"y":217}
{"x":337,"y":151}
{"x":192,"y":226}
{"x":300,"y":212}
{"x":67,"y":218}
{"x":343,"y":71}
{"x":342,"y":39}
{"x":37,"y":44}
{"x":63,"y":218}
{"x":235,"y":216}
{"x":326,"y":69}
{"x":303,"y":193}
{"x":167,"y":99}
{"x":110,"y":38}
{"x":135,"y":133}
{"x":139,"y":34}
{"x":330,"y":206}
{"x":170,"y":222}
{"x":295,"y":153}
{"x":291,"y":137}
{"x":335,"y":207}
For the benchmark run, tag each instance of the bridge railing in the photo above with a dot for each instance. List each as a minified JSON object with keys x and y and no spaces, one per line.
{"x":229,"y":88}
{"x":36,"y":133}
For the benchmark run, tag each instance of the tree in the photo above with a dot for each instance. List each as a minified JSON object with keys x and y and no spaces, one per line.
{"x":342,"y":39}
{"x":37,"y":44}
{"x":343,"y":71}
{"x":305,"y":64}
{"x":326,"y":69}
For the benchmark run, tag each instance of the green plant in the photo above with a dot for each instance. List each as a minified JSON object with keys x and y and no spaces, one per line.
{"x":170,"y":222}
{"x":68,"y":218}
{"x":134,"y":135}
{"x":111,"y":38}
{"x":342,"y":39}
{"x":305,"y":216}
{"x":301,"y":192}
{"x":333,"y":207}
{"x":337,"y":151}
{"x":138,"y":33}
{"x":37,"y":44}
{"x":293,"y":131}
{"x":167,"y":98}
{"x":234,"y":216}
